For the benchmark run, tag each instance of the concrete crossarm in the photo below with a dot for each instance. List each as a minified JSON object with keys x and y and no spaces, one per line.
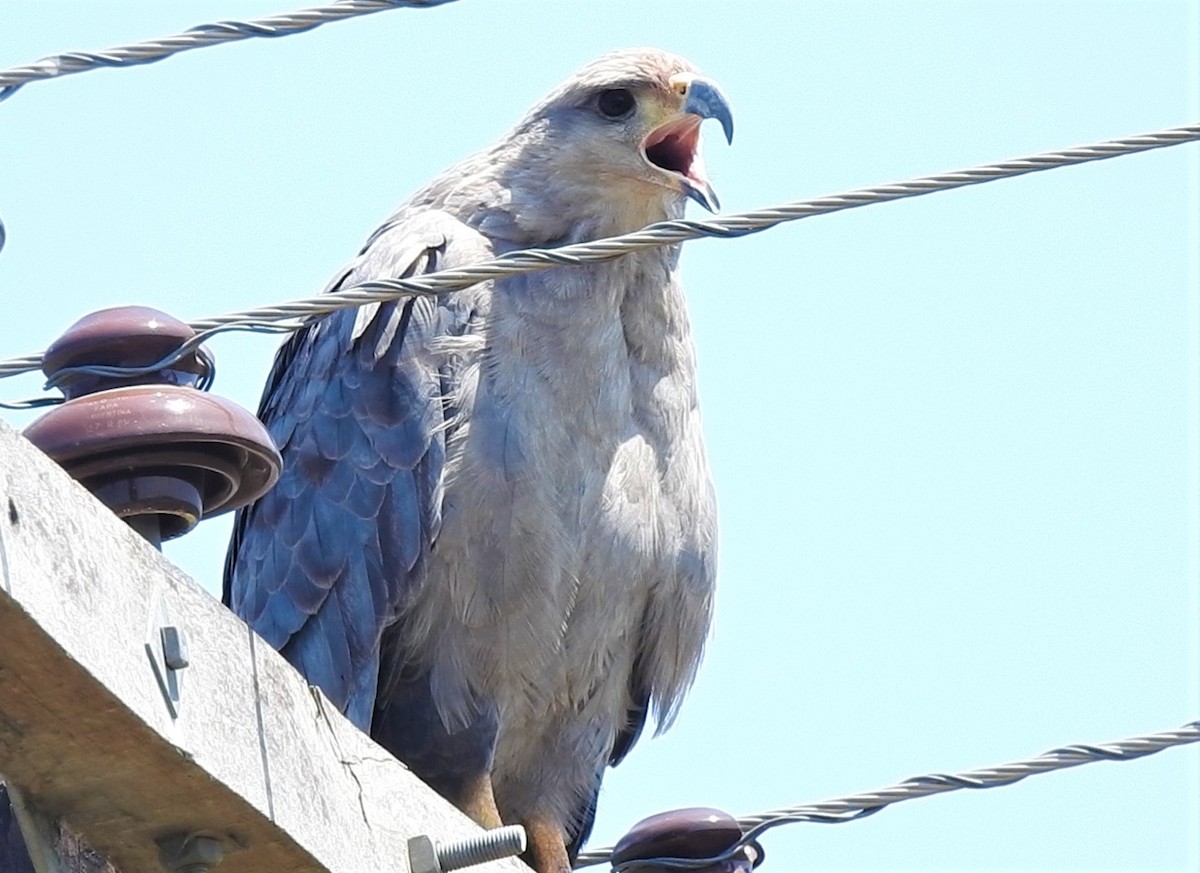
{"x":254,"y":757}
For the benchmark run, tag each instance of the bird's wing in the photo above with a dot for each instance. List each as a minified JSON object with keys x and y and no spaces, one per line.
{"x":321,"y":564}
{"x":636,"y":714}
{"x":668,"y":654}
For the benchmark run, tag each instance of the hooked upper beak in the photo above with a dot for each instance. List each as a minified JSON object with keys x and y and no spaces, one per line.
{"x":675,"y":146}
{"x":704,"y":98}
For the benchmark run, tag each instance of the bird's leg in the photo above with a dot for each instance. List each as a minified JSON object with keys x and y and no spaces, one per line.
{"x":479,"y":803}
{"x":547,"y":852}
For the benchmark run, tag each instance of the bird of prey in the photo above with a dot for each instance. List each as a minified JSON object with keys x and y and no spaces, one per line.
{"x":493,"y":543}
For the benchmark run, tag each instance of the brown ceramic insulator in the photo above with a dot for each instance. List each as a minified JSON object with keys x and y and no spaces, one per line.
{"x":695,"y":832}
{"x":125,"y":336}
{"x":161,"y":456}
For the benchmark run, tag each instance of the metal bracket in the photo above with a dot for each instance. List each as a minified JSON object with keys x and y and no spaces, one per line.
{"x":166,"y":646}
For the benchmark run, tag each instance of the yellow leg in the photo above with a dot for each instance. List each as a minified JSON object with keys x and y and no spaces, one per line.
{"x":479,"y":803}
{"x":547,"y":851}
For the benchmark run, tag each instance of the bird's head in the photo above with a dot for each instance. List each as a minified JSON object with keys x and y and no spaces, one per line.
{"x":624,"y":133}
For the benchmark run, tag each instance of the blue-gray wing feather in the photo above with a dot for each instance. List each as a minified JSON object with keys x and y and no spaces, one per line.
{"x":325,"y":561}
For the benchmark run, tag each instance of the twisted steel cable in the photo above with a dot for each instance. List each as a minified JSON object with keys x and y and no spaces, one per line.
{"x":666,"y":233}
{"x":200,"y":36}
{"x":856,"y":806}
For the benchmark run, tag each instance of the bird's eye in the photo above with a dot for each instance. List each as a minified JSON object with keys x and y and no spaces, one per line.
{"x":615,"y":102}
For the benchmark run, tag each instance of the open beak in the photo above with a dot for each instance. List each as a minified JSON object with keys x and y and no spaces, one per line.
{"x":674,"y":147}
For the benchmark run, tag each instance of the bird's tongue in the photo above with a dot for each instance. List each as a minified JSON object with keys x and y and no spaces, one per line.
{"x":673,"y":147}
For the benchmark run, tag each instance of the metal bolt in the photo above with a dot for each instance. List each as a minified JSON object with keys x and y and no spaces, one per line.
{"x":426,"y":856}
{"x":189,"y":853}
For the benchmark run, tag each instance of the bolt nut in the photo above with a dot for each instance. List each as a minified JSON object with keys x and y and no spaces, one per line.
{"x":189,"y":853}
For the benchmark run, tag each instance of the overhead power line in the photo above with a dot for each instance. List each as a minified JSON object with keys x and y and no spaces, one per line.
{"x":666,"y":233}
{"x":201,"y":36}
{"x":856,"y":806}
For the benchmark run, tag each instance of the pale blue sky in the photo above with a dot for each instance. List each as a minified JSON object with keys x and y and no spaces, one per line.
{"x":956,"y":439}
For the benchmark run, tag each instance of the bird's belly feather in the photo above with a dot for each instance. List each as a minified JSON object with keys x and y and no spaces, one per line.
{"x":568,"y":506}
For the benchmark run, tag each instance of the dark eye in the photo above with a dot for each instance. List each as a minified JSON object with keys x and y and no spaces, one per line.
{"x":615,"y":103}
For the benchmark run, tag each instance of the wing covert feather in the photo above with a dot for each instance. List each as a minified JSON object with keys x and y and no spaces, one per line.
{"x":321,"y":564}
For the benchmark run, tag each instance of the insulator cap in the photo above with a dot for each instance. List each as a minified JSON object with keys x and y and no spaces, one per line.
{"x":695,"y":832}
{"x":125,"y":336}
{"x":150,"y":446}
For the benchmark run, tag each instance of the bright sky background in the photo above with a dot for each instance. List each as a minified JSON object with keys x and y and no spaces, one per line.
{"x":956,"y":439}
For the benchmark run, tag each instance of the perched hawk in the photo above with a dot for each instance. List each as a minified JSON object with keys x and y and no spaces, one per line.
{"x":494,"y":540}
